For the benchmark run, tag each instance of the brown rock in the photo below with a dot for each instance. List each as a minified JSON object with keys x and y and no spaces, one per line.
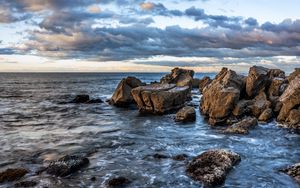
{"x":293,"y":171}
{"x":260,"y":103}
{"x":12,"y":174}
{"x":242,"y":107}
{"x":160,"y":98}
{"x":293,"y":119}
{"x":266,"y":115}
{"x":180,"y":77}
{"x":276,"y":88}
{"x":185,"y":114}
{"x":273,"y":73}
{"x":211,"y":167}
{"x":294,"y":74}
{"x":290,"y":98}
{"x":203,"y":83}
{"x":180,"y":157}
{"x":122,"y":95}
{"x":257,"y":80}
{"x":118,"y":181}
{"x":243,"y":126}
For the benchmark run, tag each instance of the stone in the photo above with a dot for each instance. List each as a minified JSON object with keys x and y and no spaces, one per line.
{"x":180,"y":157}
{"x":290,"y":99}
{"x":94,"y":101}
{"x":81,"y":99}
{"x":294,"y":74}
{"x":256,"y":81}
{"x":67,"y":165}
{"x":186,"y":114}
{"x":243,"y":126}
{"x":276,"y":73}
{"x":180,"y":77}
{"x":195,"y":82}
{"x":118,"y":182}
{"x":221,"y":96}
{"x":293,"y":171}
{"x":159,"y":156}
{"x":122,"y":96}
{"x":203,"y":83}
{"x":12,"y":174}
{"x":293,"y":119}
{"x":212,"y":166}
{"x":242,"y":107}
{"x":26,"y":184}
{"x":260,"y":103}
{"x":266,"y":115}
{"x":160,"y":98}
{"x":276,"y":88}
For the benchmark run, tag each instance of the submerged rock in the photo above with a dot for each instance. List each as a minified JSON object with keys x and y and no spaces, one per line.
{"x":185,"y":114}
{"x":67,"y":165}
{"x":257,"y":80}
{"x":243,"y":126}
{"x":180,"y":77}
{"x":26,"y":184}
{"x":211,"y":167}
{"x":160,"y":98}
{"x":293,"y":171}
{"x":81,"y":99}
{"x":118,"y":181}
{"x":203,"y":83}
{"x":12,"y":174}
{"x":122,"y":95}
{"x":180,"y":157}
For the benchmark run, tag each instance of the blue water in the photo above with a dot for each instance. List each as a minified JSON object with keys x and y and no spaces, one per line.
{"x":36,"y":128}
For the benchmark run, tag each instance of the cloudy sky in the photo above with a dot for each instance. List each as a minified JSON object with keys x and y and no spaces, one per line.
{"x":137,"y":35}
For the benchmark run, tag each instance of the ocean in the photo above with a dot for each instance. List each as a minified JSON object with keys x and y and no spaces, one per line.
{"x":37,"y":126}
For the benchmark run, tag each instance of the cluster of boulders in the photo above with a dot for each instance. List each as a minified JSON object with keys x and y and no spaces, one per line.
{"x":237,"y":101}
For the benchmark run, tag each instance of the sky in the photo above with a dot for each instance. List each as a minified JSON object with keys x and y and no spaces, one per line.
{"x":148,"y":36}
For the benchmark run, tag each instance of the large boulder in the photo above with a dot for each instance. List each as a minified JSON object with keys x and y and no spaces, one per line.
{"x":212,"y":166}
{"x":276,"y":73}
{"x":260,"y":103}
{"x":180,"y":77}
{"x":294,"y":74}
{"x":160,"y":98}
{"x":243,"y":126}
{"x":290,"y":99}
{"x":221,"y":95}
{"x":67,"y":165}
{"x":12,"y":174}
{"x":266,"y":115}
{"x":242,"y":108}
{"x":122,"y":95}
{"x":257,"y":79}
{"x":277,"y":87}
{"x":293,"y":171}
{"x":293,"y":119}
{"x":203,"y":83}
{"x":185,"y":114}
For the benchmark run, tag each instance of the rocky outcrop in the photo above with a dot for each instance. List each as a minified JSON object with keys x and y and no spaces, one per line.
{"x":122,"y":95}
{"x":293,"y":171}
{"x":180,"y":77}
{"x":67,"y":165}
{"x":221,"y":96}
{"x":12,"y":174}
{"x":257,"y":80}
{"x":211,"y":167}
{"x":294,"y":74}
{"x":243,"y":126}
{"x":160,"y":98}
{"x":204,"y":82}
{"x":186,"y":114}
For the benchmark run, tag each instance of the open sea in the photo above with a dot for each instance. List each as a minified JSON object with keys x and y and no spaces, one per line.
{"x":37,"y":127}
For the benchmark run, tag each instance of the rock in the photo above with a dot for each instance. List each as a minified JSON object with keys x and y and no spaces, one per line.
{"x":211,"y":167}
{"x":276,"y":88}
{"x":180,"y":77}
{"x":180,"y":157}
{"x":243,"y":126}
{"x":293,"y":119}
{"x":67,"y":165}
{"x":195,"y":83}
{"x":94,"y":101}
{"x":290,"y":99}
{"x":293,"y":171}
{"x":81,"y":99}
{"x":122,"y":95}
{"x":26,"y":184}
{"x":294,"y":74}
{"x":203,"y":83}
{"x":257,"y":80}
{"x":118,"y":182}
{"x":266,"y":115}
{"x":159,"y":156}
{"x":242,"y":107}
{"x":160,"y":98}
{"x":221,"y":96}
{"x":276,"y":73}
{"x":185,"y":114}
{"x":12,"y":174}
{"x":260,"y":103}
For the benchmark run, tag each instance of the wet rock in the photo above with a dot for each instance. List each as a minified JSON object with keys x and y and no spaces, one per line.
{"x":94,"y":101}
{"x":81,"y":99}
{"x":195,"y":83}
{"x":257,"y":80}
{"x":293,"y":119}
{"x":160,"y":98}
{"x":260,"y":103}
{"x":294,"y":74}
{"x":203,"y":83}
{"x":186,"y":114}
{"x":180,"y":77}
{"x":266,"y":115}
{"x":67,"y":165}
{"x":12,"y":174}
{"x":242,"y":107}
{"x":180,"y":157}
{"x":122,"y":95}
{"x":93,"y":178}
{"x":118,"y":181}
{"x":276,"y":88}
{"x":243,"y":126}
{"x":211,"y":167}
{"x":293,"y":171}
{"x":290,"y":99}
{"x":160,"y":156}
{"x":221,"y":96}
{"x":26,"y":184}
